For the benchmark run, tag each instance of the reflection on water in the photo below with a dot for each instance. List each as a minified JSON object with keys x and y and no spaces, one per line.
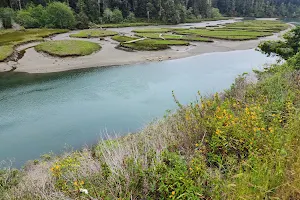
{"x":42,"y":113}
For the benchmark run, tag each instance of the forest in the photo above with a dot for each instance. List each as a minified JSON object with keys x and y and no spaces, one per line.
{"x":79,"y":13}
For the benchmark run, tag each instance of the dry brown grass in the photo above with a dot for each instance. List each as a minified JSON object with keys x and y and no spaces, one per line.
{"x":39,"y":183}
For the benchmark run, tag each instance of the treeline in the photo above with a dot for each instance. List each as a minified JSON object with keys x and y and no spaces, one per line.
{"x":78,"y":13}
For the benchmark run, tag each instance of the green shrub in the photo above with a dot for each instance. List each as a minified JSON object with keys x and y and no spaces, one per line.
{"x":107,"y":15}
{"x":25,"y":19}
{"x":59,"y":15}
{"x":82,"y":21}
{"x":117,"y":16}
{"x":131,"y":17}
{"x":6,"y":15}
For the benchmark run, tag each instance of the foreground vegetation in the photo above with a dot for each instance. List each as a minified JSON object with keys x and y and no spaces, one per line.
{"x":63,"y":48}
{"x":11,"y":38}
{"x":241,"y":144}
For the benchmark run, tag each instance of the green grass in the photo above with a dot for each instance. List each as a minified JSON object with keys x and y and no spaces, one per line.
{"x":5,"y":52}
{"x":23,"y":36}
{"x":120,"y":38}
{"x":257,"y":29}
{"x":126,"y":25}
{"x":174,"y":37}
{"x":10,"y":38}
{"x":152,"y":30}
{"x":147,"y":44}
{"x":225,"y":34}
{"x":63,"y":48}
{"x":152,"y":44}
{"x":93,"y":34}
{"x":259,"y":25}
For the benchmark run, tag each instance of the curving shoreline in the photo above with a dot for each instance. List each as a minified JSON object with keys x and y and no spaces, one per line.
{"x":34,"y":62}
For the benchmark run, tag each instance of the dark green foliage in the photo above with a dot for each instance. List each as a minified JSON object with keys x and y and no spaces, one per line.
{"x":6,"y":15}
{"x":82,"y":21}
{"x":117,"y":16}
{"x":32,"y":17}
{"x":285,"y":49}
{"x":55,"y":15}
{"x":166,"y":11}
{"x":59,"y":15}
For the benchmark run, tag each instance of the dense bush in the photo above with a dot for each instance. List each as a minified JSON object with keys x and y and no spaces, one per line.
{"x":55,"y":15}
{"x":25,"y":19}
{"x":131,"y":17}
{"x":82,"y":21}
{"x":287,"y":48}
{"x":6,"y":15}
{"x":59,"y":15}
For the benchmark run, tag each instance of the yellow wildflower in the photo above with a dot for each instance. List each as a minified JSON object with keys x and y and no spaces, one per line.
{"x":197,"y":145}
{"x":173,"y":193}
{"x":75,"y":183}
{"x":81,"y":182}
{"x":218,"y":132}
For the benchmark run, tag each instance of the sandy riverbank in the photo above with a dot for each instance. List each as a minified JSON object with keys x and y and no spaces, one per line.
{"x":34,"y":62}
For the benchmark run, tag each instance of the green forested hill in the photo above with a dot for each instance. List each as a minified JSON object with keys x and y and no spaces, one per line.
{"x":167,"y":11}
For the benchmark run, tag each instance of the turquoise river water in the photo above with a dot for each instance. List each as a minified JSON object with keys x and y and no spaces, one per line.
{"x":78,"y":108}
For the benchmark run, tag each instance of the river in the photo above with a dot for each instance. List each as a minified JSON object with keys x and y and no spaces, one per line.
{"x":78,"y":108}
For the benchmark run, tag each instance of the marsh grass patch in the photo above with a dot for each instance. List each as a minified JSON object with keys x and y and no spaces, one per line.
{"x":11,"y":38}
{"x":93,"y":34}
{"x":174,"y":37}
{"x":6,"y":51}
{"x":65,"y":48}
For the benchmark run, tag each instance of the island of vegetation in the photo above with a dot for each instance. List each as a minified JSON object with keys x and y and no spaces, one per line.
{"x":243,"y":143}
{"x":68,"y":48}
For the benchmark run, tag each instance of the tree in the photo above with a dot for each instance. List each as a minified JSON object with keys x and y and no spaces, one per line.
{"x":25,"y":19}
{"x":117,"y":16}
{"x":7,"y":15}
{"x":215,"y":13}
{"x":82,"y":21}
{"x":286,"y":49}
{"x":60,"y":15}
{"x":107,"y":15}
{"x":170,"y":14}
{"x":131,"y":17}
